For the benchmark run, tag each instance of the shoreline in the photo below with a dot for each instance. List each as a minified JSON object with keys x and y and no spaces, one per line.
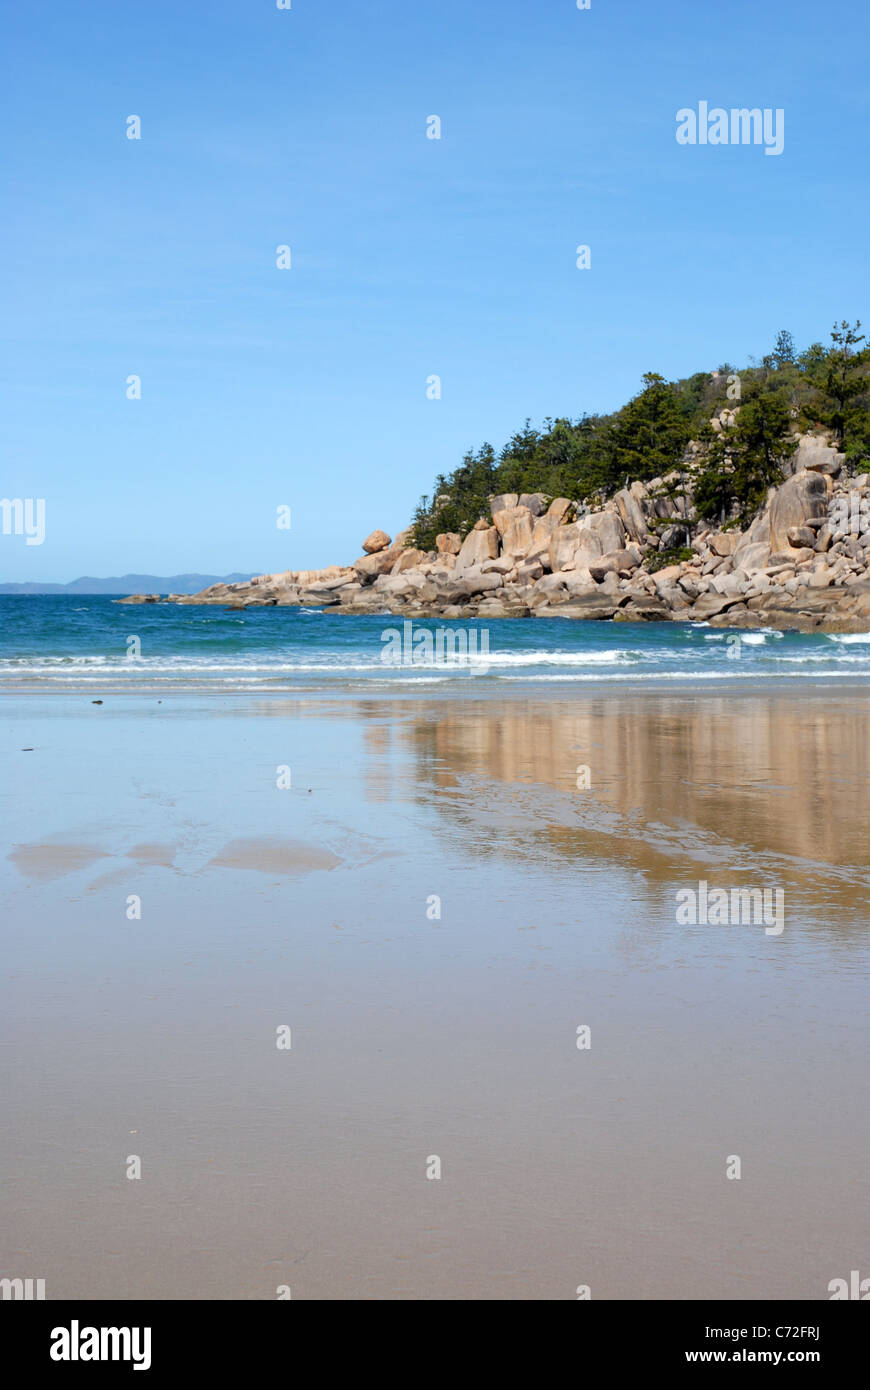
{"x":598,"y":610}
{"x":641,"y":685}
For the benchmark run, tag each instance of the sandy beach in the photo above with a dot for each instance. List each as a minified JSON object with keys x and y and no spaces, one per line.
{"x":419,"y":1032}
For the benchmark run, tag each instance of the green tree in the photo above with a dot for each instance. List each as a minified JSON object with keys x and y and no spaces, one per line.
{"x":651,"y":432}
{"x":763,"y":441}
{"x":458,"y":501}
{"x":742,"y":462}
{"x":844,"y":379}
{"x":715,"y":487}
{"x":784,"y":349}
{"x":594,"y":455}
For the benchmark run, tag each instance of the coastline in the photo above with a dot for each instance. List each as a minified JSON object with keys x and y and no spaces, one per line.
{"x":389,"y":691}
{"x":801,"y":564}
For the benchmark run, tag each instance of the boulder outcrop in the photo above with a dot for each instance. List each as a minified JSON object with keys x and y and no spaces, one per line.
{"x":378,"y":540}
{"x":514,"y":526}
{"x":800,"y":499}
{"x":643,"y":556}
{"x":479,"y":545}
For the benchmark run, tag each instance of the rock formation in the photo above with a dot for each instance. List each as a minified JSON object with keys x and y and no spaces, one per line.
{"x":803,"y":562}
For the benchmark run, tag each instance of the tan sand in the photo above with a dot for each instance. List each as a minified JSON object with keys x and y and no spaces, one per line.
{"x":451,"y":1035}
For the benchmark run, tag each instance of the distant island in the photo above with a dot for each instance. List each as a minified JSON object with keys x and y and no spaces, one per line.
{"x":122,"y":584}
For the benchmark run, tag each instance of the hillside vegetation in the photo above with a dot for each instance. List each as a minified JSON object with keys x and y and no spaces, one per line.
{"x":729,"y":432}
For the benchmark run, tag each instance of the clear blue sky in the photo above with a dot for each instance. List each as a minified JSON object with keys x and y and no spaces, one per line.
{"x":410,"y":256}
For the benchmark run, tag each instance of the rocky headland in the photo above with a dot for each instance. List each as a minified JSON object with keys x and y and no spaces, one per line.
{"x":640,"y":555}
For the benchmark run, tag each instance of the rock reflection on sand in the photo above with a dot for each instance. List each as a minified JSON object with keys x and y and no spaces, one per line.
{"x":775,"y":782}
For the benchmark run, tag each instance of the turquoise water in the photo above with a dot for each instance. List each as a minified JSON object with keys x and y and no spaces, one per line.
{"x":80,"y":642}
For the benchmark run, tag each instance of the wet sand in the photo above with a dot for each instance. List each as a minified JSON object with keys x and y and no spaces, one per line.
{"x":414,"y":1035}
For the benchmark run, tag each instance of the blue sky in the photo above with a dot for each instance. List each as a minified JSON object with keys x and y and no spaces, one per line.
{"x":410,"y":256}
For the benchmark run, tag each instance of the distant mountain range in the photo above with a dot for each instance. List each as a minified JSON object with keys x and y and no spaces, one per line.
{"x":130,"y":584}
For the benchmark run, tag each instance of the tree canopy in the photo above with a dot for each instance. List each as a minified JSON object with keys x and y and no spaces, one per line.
{"x":594,"y":455}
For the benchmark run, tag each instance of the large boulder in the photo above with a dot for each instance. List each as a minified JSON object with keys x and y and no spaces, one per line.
{"x":802,"y":536}
{"x":617,"y":562}
{"x":667,"y":576}
{"x":724,"y":543}
{"x":479,"y":545}
{"x":814,"y":454}
{"x":754,"y":556}
{"x":504,"y":502}
{"x":643,"y":608}
{"x":543,"y":529}
{"x":448,"y":543}
{"x":551,"y":584}
{"x":408,"y":560}
{"x":597,"y":534}
{"x":563,"y":546}
{"x":800,"y":499}
{"x":559,"y":509}
{"x":444,"y":564}
{"x":630,"y":510}
{"x":600,"y":533}
{"x":578,"y":581}
{"x":658,"y":503}
{"x":535,"y":501}
{"x":607,"y":530}
{"x":368,"y":567}
{"x":378,"y":540}
{"x":753,"y":547}
{"x":529,"y":570}
{"x":823,"y":537}
{"x":396,"y":585}
{"x":514,"y":525}
{"x":325,"y":579}
{"x":729,"y":584}
{"x":594,"y":607}
{"x":474,"y":581}
{"x":304,"y":578}
{"x":318,"y":598}
{"x":709,"y":605}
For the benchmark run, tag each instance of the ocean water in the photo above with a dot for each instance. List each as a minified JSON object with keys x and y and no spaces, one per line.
{"x":79,"y":642}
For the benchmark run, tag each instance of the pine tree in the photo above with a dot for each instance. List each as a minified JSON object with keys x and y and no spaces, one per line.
{"x":651,"y":432}
{"x":844,"y":378}
{"x":784,"y":350}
